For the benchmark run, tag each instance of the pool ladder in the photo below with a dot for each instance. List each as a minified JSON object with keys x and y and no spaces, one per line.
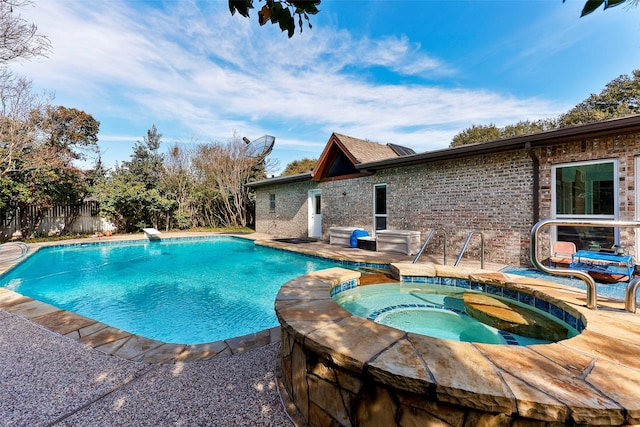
{"x":592,"y":295}
{"x":466,"y":244}
{"x":444,"y":246}
{"x":426,"y":242}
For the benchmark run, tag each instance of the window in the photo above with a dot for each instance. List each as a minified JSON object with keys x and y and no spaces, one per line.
{"x":317,"y":204}
{"x":380,"y":206}
{"x":586,"y":190}
{"x":272,"y":202}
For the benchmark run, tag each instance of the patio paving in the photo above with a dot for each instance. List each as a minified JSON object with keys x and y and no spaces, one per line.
{"x":63,"y":369}
{"x":50,"y":380}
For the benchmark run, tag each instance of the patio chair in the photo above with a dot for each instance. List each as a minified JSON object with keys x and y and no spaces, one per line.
{"x":562,"y":252}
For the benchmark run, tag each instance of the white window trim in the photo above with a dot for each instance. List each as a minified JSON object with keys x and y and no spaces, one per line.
{"x":616,"y":196}
{"x":375,"y":215}
{"x":616,"y":192}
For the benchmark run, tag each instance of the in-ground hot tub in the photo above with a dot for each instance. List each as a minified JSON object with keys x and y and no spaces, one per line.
{"x":341,"y":369}
{"x":456,"y":311}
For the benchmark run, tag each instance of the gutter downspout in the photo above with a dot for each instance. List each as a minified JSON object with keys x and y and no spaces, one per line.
{"x":536,"y":181}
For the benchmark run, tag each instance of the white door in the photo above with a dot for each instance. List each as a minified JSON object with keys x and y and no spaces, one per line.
{"x":315,"y":214}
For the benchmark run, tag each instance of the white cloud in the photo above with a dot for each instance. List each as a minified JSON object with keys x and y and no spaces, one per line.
{"x":209,"y":73}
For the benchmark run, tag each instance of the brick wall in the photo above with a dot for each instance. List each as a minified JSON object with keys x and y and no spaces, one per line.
{"x":623,"y":148}
{"x":290,"y":216}
{"x":492,"y":194}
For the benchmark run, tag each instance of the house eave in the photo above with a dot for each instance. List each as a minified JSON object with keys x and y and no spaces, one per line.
{"x":619,"y":126}
{"x":280,"y":180}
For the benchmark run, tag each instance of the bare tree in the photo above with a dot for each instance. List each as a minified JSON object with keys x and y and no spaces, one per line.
{"x":19,"y":38}
{"x":227,"y":166}
{"x":177,"y":180}
{"x":18,"y":107}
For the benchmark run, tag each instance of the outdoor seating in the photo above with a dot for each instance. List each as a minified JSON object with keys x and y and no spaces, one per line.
{"x":341,"y":235}
{"x":403,"y":241}
{"x":562,"y":253}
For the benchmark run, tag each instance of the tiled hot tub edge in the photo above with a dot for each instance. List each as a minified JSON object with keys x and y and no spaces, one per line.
{"x":342,"y":369}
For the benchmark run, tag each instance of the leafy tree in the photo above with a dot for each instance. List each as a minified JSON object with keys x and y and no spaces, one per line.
{"x":37,"y":152}
{"x":619,"y":98}
{"x":299,"y":166}
{"x":147,"y":162}
{"x":279,"y":12}
{"x":178,"y":182}
{"x":476,"y":133}
{"x":133,"y":197}
{"x":19,"y":39}
{"x":481,"y":133}
{"x":592,"y":5}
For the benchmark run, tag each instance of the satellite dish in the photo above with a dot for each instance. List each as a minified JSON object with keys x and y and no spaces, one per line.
{"x":260,"y":148}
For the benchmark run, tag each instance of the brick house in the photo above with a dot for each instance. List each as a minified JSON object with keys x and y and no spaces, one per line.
{"x":500,"y":188}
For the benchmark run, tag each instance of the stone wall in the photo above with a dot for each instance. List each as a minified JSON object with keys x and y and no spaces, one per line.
{"x":339,"y":369}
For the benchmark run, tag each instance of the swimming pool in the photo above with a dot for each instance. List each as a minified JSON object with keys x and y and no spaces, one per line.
{"x":442,"y":311}
{"x":186,"y":291}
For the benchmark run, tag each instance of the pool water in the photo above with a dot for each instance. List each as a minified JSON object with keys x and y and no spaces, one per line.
{"x":611,"y":290}
{"x":181,"y":291}
{"x":433,"y":310}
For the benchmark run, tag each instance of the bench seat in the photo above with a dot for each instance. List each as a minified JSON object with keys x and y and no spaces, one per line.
{"x":403,"y":241}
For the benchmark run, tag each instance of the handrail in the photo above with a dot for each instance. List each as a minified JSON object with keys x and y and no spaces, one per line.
{"x":592,"y":294}
{"x":630,"y":295}
{"x":426,"y":241}
{"x":466,"y":243}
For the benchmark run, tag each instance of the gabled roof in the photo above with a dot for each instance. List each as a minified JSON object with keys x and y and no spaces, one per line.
{"x":343,"y":153}
{"x":611,"y":127}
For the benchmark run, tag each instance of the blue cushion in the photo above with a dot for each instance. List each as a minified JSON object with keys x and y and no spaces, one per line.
{"x":354,"y":237}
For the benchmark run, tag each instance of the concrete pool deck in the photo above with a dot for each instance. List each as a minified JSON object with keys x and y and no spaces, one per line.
{"x":50,"y":377}
{"x":59,"y":368}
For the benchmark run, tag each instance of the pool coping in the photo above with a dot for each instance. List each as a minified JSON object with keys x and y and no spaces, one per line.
{"x":117,"y":342}
{"x":126,"y":345}
{"x":593,"y":378}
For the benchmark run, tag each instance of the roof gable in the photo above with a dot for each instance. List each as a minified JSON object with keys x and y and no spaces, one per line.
{"x":342,"y":153}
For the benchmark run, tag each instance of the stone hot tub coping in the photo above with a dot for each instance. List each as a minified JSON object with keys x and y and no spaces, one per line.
{"x":341,"y":368}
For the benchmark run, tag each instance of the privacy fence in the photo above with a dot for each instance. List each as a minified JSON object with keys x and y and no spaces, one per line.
{"x":70,"y":219}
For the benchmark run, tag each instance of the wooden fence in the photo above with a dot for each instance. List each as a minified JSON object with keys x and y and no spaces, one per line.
{"x":87,"y":221}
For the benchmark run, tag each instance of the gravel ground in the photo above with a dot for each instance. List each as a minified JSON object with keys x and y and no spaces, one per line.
{"x":50,"y":380}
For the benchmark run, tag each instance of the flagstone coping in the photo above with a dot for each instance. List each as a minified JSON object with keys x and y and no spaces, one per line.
{"x":114,"y":341}
{"x":592,"y":378}
{"x":123,"y":344}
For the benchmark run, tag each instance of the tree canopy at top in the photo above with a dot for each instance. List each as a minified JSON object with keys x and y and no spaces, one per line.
{"x":592,"y":5}
{"x":279,"y":12}
{"x":619,"y":98}
{"x":283,"y":12}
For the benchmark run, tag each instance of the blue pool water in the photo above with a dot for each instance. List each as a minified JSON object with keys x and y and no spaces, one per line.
{"x":610,"y":290}
{"x":434,"y":310}
{"x":180,"y":291}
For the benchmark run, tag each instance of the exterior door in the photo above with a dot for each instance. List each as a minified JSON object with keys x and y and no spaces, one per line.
{"x":315,"y":214}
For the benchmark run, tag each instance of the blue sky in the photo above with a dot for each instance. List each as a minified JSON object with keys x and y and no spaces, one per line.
{"x":414,"y":73}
